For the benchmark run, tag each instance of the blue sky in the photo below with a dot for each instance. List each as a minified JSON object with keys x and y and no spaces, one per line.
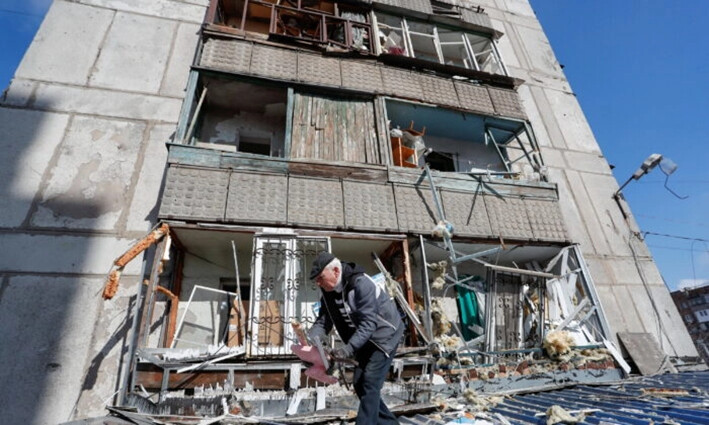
{"x":640,"y":70}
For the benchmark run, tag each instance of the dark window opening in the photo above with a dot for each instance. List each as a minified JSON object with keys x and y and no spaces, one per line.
{"x":238,"y":116}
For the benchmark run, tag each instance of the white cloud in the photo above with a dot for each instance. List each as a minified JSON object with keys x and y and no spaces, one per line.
{"x":692,"y":283}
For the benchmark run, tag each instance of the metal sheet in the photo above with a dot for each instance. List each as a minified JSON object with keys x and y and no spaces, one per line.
{"x":508,"y":217}
{"x":438,"y":90}
{"x":507,"y":103}
{"x":467,"y":212}
{"x":401,"y":83}
{"x":273,"y":62}
{"x":315,"y":202}
{"x":473,"y":97}
{"x":415,"y":208}
{"x":369,"y":206}
{"x":319,"y":70}
{"x":192,"y":193}
{"x":227,"y":55}
{"x":546,"y":220}
{"x":627,"y":402}
{"x":258,"y":198}
{"x":362,"y":76}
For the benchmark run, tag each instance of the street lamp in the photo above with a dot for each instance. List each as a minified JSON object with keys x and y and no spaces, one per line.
{"x":667,"y":166}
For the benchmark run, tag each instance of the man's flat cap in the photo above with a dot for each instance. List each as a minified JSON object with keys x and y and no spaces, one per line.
{"x":320,"y":262}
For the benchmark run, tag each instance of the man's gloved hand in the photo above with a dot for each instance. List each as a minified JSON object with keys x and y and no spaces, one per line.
{"x":344,"y":352}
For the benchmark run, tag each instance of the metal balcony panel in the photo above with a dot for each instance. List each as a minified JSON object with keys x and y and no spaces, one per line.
{"x":475,"y":98}
{"x":226,"y":55}
{"x":508,"y":217}
{"x":315,"y":202}
{"x":467,"y":212}
{"x":274,"y":62}
{"x":362,"y":76}
{"x":415,"y":209}
{"x":546,"y":220}
{"x":438,"y":90}
{"x":400,"y":83}
{"x":369,"y":206}
{"x":194,"y":194}
{"x":318,"y":70}
{"x":259,"y":198}
{"x":507,"y":103}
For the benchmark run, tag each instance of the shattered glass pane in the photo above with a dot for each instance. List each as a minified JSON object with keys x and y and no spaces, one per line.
{"x":205,"y":318}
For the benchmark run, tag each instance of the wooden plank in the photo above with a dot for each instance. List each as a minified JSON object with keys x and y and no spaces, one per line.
{"x":146,"y":314}
{"x":337,"y":171}
{"x":289,"y":124}
{"x":382,"y":131}
{"x":190,"y":155}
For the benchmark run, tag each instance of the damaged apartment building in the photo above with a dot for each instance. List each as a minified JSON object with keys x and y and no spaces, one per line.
{"x":434,"y":142}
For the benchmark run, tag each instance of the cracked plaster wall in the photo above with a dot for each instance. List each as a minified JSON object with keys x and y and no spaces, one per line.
{"x":83,"y":126}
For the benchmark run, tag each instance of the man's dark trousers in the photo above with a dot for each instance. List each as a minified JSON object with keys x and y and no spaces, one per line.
{"x":369,"y":377}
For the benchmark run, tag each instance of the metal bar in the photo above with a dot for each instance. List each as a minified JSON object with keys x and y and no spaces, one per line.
{"x":471,"y":51}
{"x":439,"y":209}
{"x":573,"y":314}
{"x":498,"y":56}
{"x":497,"y":148}
{"x":209,"y":362}
{"x":490,"y":299}
{"x":478,"y":254}
{"x":129,"y":359}
{"x":591,"y":291}
{"x":242,"y":26}
{"x":242,"y":325}
{"x":196,"y":114}
{"x":521,"y":271}
{"x":164,"y":384}
{"x":427,"y":321}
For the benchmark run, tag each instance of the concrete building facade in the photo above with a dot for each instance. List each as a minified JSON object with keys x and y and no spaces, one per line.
{"x":693,"y":306}
{"x":280,"y":123}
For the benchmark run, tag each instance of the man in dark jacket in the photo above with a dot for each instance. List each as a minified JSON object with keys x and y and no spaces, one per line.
{"x":368,"y":323}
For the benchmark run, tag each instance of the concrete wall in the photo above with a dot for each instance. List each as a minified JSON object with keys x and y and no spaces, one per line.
{"x":586,"y":184}
{"x":82,"y":131}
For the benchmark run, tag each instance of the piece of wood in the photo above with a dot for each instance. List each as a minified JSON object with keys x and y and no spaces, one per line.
{"x":172,"y":316}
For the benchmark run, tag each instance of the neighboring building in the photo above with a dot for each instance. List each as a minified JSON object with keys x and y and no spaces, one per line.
{"x":693,"y":306}
{"x":293,"y":127}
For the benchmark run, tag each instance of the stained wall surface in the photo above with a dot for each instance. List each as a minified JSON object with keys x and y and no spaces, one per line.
{"x":82,"y":128}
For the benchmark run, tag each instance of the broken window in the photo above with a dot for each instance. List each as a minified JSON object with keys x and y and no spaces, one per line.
{"x":237,"y":116}
{"x":435,"y":43}
{"x":321,"y":22}
{"x":460,"y":142}
{"x":479,"y":303}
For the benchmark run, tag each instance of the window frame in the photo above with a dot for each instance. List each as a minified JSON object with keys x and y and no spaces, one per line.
{"x":409,"y":51}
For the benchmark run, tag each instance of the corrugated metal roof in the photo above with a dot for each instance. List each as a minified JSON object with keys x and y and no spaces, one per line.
{"x":679,"y":398}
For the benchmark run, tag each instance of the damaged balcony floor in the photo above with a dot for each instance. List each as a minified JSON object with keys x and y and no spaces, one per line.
{"x":675,"y":398}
